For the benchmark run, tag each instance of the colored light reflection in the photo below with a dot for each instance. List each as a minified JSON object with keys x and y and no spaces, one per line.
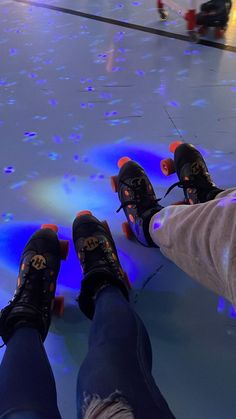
{"x":108,"y":156}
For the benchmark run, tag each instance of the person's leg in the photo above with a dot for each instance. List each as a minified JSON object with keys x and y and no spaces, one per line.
{"x":115,"y":378}
{"x":201,"y":240}
{"x":27,"y":387}
{"x":119,"y":362}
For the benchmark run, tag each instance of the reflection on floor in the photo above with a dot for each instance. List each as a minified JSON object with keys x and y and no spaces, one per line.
{"x":77,"y":94}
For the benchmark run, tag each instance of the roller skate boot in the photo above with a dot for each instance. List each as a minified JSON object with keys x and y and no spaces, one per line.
{"x":214,"y":13}
{"x":99,"y":260}
{"x":138,"y":200}
{"x":34,"y":297}
{"x":192,"y":172}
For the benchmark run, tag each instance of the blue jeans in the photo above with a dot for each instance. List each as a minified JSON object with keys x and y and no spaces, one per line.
{"x":119,"y":358}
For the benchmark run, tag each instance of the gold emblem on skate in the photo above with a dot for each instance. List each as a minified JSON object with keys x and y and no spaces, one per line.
{"x":38,"y":262}
{"x":91,"y":243}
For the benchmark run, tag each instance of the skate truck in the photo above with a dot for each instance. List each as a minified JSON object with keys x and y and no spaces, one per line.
{"x":213,"y":13}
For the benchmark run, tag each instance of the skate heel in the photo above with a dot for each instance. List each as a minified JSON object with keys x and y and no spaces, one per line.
{"x":58,"y":303}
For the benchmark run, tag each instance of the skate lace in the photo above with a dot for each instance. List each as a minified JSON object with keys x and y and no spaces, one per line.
{"x":184,"y":185}
{"x":106,"y":256}
{"x":136,"y":189}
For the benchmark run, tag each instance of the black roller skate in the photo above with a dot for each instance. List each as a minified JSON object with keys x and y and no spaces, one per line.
{"x":192,"y":172}
{"x":215,"y":14}
{"x":99,"y":260}
{"x":137,"y":198}
{"x":34,"y":297}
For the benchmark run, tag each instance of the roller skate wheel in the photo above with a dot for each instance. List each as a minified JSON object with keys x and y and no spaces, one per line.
{"x":106,"y":226}
{"x":126,"y":278}
{"x":173,"y":146}
{"x":85,"y":212}
{"x":52,"y":227}
{"x":59,"y":306}
{"x":122,"y":161}
{"x":114,"y":184}
{"x":167,"y":167}
{"x":64,"y":248}
{"x":127,"y":230}
{"x":163,"y":15}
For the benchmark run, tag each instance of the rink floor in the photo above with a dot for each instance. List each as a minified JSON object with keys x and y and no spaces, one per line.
{"x":76,"y":94}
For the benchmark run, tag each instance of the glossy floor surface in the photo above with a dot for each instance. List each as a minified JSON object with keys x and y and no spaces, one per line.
{"x":76,"y":94}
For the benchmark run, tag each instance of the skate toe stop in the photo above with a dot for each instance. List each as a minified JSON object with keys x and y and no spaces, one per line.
{"x":122,"y":161}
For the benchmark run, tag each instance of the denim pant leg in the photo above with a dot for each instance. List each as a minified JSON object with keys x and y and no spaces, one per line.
{"x":27,"y":385}
{"x":119,"y":360}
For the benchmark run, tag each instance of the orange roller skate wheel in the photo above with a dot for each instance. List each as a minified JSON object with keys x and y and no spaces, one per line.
{"x":122,"y":161}
{"x":114,"y":183}
{"x":64,"y":246}
{"x":167,"y":167}
{"x":127,"y":230}
{"x":59,"y":306}
{"x":174,"y":145}
{"x":85,"y":212}
{"x":106,"y":225}
{"x":52,"y":227}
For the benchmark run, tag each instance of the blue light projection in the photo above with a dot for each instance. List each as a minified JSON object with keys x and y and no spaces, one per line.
{"x":200,"y":103}
{"x":13,"y":239}
{"x":221,"y":305}
{"x":7,"y":216}
{"x":232,"y":312}
{"x":67,"y":195}
{"x":107,"y":157}
{"x":9,"y":169}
